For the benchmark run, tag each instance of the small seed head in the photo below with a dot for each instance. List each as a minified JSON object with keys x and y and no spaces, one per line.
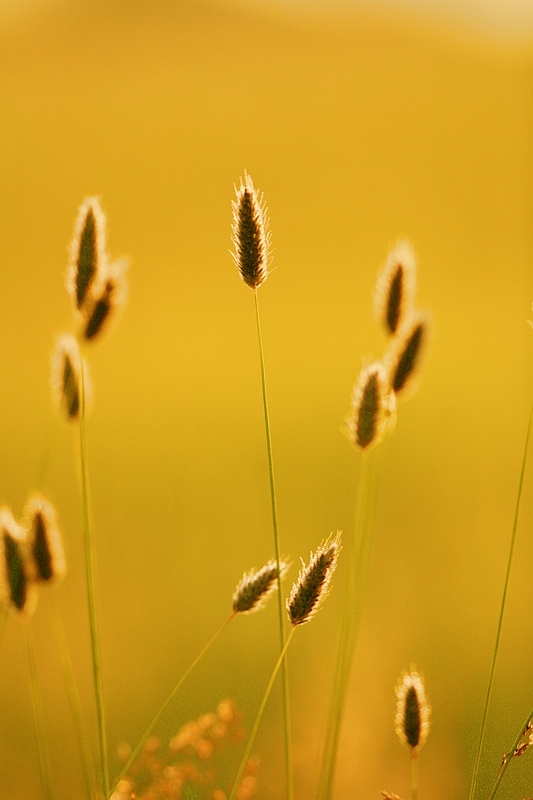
{"x":396,"y":287}
{"x":311,"y":588}
{"x":373,"y":407}
{"x":45,"y":548}
{"x":256,"y":586}
{"x":250,"y":234}
{"x":403,"y":357}
{"x":17,"y":589}
{"x":88,"y":258}
{"x":412,"y":710}
{"x":65,"y":378}
{"x":103,"y":307}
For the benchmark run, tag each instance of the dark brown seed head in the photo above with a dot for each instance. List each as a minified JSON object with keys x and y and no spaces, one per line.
{"x":87,"y":251}
{"x":311,"y":588}
{"x":17,"y":588}
{"x":65,"y":377}
{"x":255,"y":587}
{"x":404,"y":353}
{"x":107,"y":302}
{"x":45,"y":548}
{"x":250,"y":235}
{"x":412,"y":711}
{"x":396,"y":288}
{"x":373,"y":407}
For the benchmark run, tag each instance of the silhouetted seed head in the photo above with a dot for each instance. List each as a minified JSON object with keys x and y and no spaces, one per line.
{"x":311,"y":588}
{"x":87,"y":251}
{"x":65,"y":380}
{"x":250,"y":234}
{"x":255,"y":587}
{"x":17,"y":589}
{"x":373,"y":407}
{"x":403,"y":356}
{"x":45,"y":548}
{"x":396,"y":287}
{"x":412,"y":711}
{"x":109,"y":300}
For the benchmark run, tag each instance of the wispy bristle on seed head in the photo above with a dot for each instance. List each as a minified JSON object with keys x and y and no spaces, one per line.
{"x":17,"y":589}
{"x":87,"y":251}
{"x":396,"y":287}
{"x":65,"y":377}
{"x":250,"y":234}
{"x":108,"y":299}
{"x":403,"y":356}
{"x":46,"y":556}
{"x":256,"y":586}
{"x":373,"y":407}
{"x":412,"y":710}
{"x":311,"y":588}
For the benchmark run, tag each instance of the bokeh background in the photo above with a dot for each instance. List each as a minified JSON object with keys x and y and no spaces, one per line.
{"x":361,"y":123}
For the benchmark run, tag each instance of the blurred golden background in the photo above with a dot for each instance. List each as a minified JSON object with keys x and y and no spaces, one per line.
{"x":359,"y":128}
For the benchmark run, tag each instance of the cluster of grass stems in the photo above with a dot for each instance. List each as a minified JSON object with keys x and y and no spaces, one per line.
{"x":32,"y":558}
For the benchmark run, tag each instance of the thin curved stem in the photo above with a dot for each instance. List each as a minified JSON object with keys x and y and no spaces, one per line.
{"x":507,"y":760}
{"x":167,"y":702}
{"x":281,"y":616}
{"x":502,"y":609}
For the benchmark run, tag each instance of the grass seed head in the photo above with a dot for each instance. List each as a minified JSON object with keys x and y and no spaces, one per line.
{"x":17,"y":588}
{"x":65,"y":379}
{"x":250,"y":234}
{"x":45,"y":547}
{"x":403,"y":356}
{"x":396,"y":287}
{"x":88,"y":258}
{"x":256,"y":586}
{"x":412,"y":710}
{"x":311,"y":588}
{"x":107,"y":302}
{"x":373,"y":407}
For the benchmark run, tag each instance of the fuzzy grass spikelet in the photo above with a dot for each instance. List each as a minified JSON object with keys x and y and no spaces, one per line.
{"x":87,"y":251}
{"x":65,"y":379}
{"x":256,"y":586}
{"x":17,"y":588}
{"x":396,"y":287}
{"x":311,"y":588}
{"x":403,"y":357}
{"x":105,"y":305}
{"x":45,"y":547}
{"x":250,"y":234}
{"x":373,"y":407}
{"x":412,"y":711}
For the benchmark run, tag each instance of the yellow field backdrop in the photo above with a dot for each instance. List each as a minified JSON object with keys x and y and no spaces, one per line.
{"x":358,"y":133}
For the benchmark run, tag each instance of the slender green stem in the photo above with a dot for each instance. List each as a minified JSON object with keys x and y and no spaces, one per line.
{"x":46,"y":455}
{"x":73,"y":696}
{"x":281,"y":616}
{"x":507,"y":760}
{"x":91,"y":593}
{"x":500,"y":618}
{"x":167,"y":702}
{"x":258,"y":717}
{"x":38,"y":712}
{"x":354,"y":592}
{"x":414,"y":775}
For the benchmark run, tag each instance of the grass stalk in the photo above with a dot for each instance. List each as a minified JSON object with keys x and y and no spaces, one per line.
{"x":358,"y":564}
{"x":82,"y":736}
{"x":91,"y":593}
{"x":259,"y":716}
{"x":414,"y":775}
{"x":281,"y":616}
{"x":168,"y":701}
{"x":488,"y":695}
{"x":38,"y":712}
{"x":508,"y":758}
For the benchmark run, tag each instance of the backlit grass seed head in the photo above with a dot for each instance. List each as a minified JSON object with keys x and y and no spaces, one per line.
{"x":17,"y":589}
{"x":110,"y":298}
{"x":88,"y":255}
{"x":373,"y":407}
{"x":250,"y":234}
{"x":412,"y":710}
{"x":45,"y":548}
{"x":65,"y":378}
{"x":255,"y":587}
{"x":396,"y":287}
{"x":311,"y":588}
{"x":403,"y":356}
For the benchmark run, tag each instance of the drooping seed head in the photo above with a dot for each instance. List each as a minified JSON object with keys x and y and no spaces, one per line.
{"x":373,"y":407}
{"x":403,"y":357}
{"x":17,"y":589}
{"x":45,"y":548}
{"x":412,"y":710}
{"x":88,"y":258}
{"x":311,"y":588}
{"x":396,"y":287}
{"x":66,"y":374}
{"x":107,"y":302}
{"x":256,"y":586}
{"x":250,"y":234}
